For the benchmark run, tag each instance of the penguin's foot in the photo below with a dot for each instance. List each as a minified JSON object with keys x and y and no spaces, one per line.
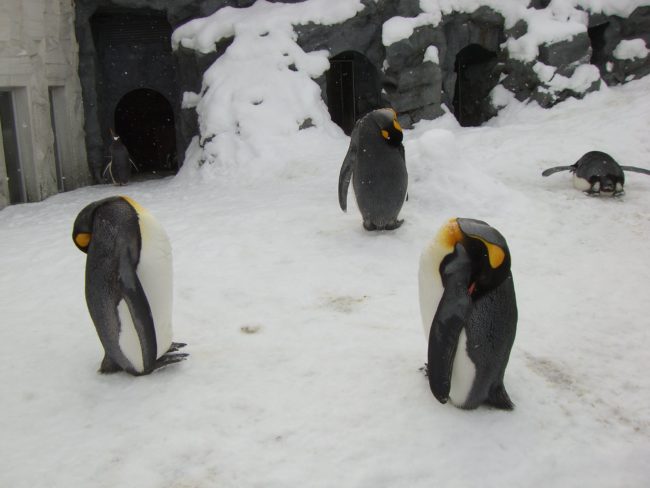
{"x":109,"y":366}
{"x":619,"y":193}
{"x":498,"y":398}
{"x":369,"y":226}
{"x":394,"y":225}
{"x":167,"y":359}
{"x":175,"y":347}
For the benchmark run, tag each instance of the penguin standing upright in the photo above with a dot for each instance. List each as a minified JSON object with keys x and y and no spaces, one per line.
{"x":128,"y":284}
{"x":119,"y":166}
{"x":597,"y":173}
{"x":375,"y":162}
{"x":469,"y":313}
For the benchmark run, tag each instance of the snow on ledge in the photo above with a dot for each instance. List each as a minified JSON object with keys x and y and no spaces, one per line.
{"x":581,"y":80}
{"x":631,"y":49}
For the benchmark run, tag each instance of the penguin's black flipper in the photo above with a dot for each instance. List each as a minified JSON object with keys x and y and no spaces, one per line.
{"x":634,"y":169}
{"x":498,"y":398}
{"x":556,"y":169}
{"x":345,"y":176}
{"x":450,"y":317}
{"x":138,"y":304}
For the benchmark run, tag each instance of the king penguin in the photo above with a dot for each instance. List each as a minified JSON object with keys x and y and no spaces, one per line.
{"x":597,"y":173}
{"x":376,"y":164}
{"x":469,"y":313}
{"x":128,"y":284}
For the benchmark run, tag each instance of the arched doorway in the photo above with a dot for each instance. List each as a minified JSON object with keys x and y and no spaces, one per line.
{"x":144,"y":119}
{"x":353,"y":88}
{"x":597,"y":37}
{"x":476,"y":76}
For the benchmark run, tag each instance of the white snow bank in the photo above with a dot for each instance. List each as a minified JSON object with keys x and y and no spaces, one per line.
{"x":261,"y":88}
{"x":621,"y":8}
{"x":631,"y":49}
{"x":583,"y":78}
{"x":558,"y":22}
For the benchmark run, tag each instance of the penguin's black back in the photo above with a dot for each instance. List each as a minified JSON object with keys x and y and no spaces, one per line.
{"x":116,"y":241}
{"x":597,"y":164}
{"x":490,"y":331}
{"x":380,"y":178}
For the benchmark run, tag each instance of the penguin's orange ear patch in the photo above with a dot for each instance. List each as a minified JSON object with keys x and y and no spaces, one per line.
{"x":82,"y":240}
{"x":396,"y":125}
{"x":450,"y":234}
{"x":385,"y":135}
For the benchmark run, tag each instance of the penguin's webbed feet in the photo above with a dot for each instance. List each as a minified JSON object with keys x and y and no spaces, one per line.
{"x":109,"y":366}
{"x":394,"y":225}
{"x":176,"y":346}
{"x":170,"y":358}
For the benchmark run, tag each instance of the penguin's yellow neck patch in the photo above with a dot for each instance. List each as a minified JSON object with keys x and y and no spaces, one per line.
{"x":138,"y":208}
{"x":495,"y":253}
{"x":450,"y":234}
{"x":396,"y":125}
{"x":82,"y":239}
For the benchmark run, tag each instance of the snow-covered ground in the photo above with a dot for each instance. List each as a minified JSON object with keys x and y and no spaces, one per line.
{"x":304,"y":329}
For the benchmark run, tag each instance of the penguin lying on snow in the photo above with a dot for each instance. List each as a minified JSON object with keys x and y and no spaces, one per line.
{"x":597,"y":173}
{"x":128,"y":284}
{"x":375,"y":161}
{"x":469,"y":313}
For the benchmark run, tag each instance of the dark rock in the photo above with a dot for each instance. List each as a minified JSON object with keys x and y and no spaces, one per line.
{"x":574,"y":50}
{"x":425,"y":74}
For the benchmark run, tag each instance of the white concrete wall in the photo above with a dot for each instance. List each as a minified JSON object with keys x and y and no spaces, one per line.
{"x":38,"y":50}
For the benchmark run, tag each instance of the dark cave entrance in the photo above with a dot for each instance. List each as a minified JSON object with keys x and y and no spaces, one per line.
{"x":144,"y":119}
{"x":353,"y":89}
{"x":598,"y":43}
{"x":476,"y":76}
{"x":135,"y":85}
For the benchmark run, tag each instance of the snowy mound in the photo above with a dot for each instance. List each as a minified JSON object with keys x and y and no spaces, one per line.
{"x":261,"y":90}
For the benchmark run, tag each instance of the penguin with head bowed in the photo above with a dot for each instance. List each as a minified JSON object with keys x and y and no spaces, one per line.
{"x":469,"y":313}
{"x":128,"y":284}
{"x":375,"y":162}
{"x":119,"y":166}
{"x":597,"y":173}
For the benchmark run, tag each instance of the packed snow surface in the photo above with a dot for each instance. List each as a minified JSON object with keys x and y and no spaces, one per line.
{"x":304,"y":329}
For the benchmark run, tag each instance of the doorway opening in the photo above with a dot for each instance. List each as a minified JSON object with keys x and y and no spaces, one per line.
{"x":10,"y":143}
{"x":353,"y":89}
{"x":144,"y":120}
{"x":598,"y":42}
{"x":476,"y":76}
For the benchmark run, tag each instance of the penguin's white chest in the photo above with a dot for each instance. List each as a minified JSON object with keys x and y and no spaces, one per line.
{"x":154,"y":271}
{"x":462,"y":374}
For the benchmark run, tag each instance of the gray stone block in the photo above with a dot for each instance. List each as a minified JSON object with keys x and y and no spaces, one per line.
{"x":566,"y":52}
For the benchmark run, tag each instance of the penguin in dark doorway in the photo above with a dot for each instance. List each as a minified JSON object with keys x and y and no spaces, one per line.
{"x":375,"y":162}
{"x":597,"y":173}
{"x":469,"y":313}
{"x":119,"y":166}
{"x":128,"y":284}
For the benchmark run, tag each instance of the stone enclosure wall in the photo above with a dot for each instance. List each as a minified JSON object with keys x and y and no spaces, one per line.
{"x":41,"y":148}
{"x":49,"y":80}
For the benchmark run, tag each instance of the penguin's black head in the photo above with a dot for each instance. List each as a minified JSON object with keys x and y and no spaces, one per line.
{"x":82,"y":230}
{"x":487,"y":250}
{"x":389,"y":127}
